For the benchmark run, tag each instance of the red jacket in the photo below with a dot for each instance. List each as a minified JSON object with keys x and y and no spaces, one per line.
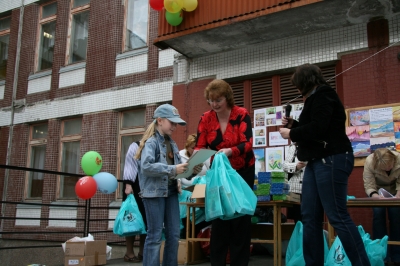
{"x":238,"y":136}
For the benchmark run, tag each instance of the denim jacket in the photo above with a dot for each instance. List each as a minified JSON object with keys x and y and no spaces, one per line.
{"x":154,"y":170}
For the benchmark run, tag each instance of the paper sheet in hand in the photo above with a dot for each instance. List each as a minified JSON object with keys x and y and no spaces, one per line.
{"x":199,"y":157}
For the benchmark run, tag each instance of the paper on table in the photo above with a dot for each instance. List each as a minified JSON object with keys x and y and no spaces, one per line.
{"x":199,"y":157}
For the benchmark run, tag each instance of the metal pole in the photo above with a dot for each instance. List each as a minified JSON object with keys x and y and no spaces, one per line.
{"x":14,"y":95}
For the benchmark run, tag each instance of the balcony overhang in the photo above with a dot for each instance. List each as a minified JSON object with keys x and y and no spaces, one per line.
{"x":208,"y":30}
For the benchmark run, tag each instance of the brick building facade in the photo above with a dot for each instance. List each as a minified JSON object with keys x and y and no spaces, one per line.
{"x":113,"y":84}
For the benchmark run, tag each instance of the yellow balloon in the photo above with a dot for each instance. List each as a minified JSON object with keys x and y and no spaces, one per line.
{"x":173,"y":6}
{"x":189,"y":5}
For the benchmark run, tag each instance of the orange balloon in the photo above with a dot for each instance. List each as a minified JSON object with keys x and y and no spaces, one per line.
{"x":86,"y":187}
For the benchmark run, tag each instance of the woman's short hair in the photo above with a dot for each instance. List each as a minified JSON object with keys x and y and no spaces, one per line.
{"x":219,"y":88}
{"x":191,"y":139}
{"x":383,"y":157}
{"x":306,"y":77}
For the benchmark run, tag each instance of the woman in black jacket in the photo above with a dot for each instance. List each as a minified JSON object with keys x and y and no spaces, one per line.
{"x":321,"y":138}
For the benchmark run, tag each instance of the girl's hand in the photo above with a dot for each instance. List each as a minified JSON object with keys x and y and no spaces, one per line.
{"x":128,"y":189}
{"x":181,"y":168}
{"x":227,"y":151}
{"x":197,"y":169}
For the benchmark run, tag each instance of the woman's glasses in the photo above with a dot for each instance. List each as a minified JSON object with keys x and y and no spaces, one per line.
{"x":218,"y":101}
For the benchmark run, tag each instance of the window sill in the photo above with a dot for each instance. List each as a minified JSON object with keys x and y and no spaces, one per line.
{"x":2,"y":82}
{"x":132,"y":53}
{"x":66,"y":205}
{"x":40,"y":74}
{"x":72,"y":67}
{"x":116,"y":203}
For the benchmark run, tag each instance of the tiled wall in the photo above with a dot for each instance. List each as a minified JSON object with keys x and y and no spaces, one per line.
{"x":131,"y":65}
{"x":6,"y":5}
{"x":394,"y":29}
{"x":28,"y":213}
{"x":72,"y":78}
{"x":2,"y":91}
{"x":39,"y":84}
{"x":313,"y":48}
{"x":166,"y":57}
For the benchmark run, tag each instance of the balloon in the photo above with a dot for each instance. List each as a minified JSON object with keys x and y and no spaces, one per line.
{"x":106,"y":182}
{"x":157,"y":4}
{"x":86,"y":187}
{"x":173,"y":6}
{"x":189,"y":5}
{"x":91,"y":163}
{"x":174,"y":19}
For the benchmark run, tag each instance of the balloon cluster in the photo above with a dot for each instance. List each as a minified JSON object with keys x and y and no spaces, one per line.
{"x":94,"y":180}
{"x":174,"y":9}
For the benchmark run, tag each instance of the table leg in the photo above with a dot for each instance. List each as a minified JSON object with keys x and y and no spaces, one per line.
{"x":279,"y":230}
{"x":187,"y":230}
{"x":275,"y":229}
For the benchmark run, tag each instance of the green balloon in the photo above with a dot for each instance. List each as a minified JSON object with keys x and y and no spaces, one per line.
{"x":174,"y":19}
{"x":91,"y":163}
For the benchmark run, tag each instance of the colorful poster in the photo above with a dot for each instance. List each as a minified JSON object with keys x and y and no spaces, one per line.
{"x":259,"y":136}
{"x":274,"y":159}
{"x":396,"y":126}
{"x":259,"y":118}
{"x":359,"y":118}
{"x":275,"y":139}
{"x":359,"y":137}
{"x":381,"y":128}
{"x":273,"y":116}
{"x":260,"y":160}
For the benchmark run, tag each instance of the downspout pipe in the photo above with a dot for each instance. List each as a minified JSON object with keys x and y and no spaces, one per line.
{"x":14,"y":96}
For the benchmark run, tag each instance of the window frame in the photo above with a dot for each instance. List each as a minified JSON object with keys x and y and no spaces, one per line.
{"x":32,"y":143}
{"x":65,"y":139}
{"x":4,"y":33}
{"x":123,"y":132}
{"x":42,"y":21}
{"x":126,"y":5}
{"x":74,"y":11}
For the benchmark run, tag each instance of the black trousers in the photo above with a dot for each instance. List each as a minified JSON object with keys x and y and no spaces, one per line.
{"x":234,"y":234}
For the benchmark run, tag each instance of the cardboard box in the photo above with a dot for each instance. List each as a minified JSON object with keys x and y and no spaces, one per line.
{"x":198,"y":192}
{"x":293,"y":197}
{"x":192,"y":250}
{"x":85,"y":253}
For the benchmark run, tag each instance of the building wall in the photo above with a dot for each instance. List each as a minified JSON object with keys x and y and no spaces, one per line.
{"x":373,"y":82}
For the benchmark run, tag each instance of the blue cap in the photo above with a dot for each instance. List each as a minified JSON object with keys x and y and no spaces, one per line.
{"x":169,"y":112}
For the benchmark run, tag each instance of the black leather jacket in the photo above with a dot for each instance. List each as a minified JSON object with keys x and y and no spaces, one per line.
{"x":321,"y":130}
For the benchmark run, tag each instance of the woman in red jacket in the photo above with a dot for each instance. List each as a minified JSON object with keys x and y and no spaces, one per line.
{"x":227,"y":128}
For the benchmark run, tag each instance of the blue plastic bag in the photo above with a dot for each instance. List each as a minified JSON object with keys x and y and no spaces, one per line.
{"x":376,"y":249}
{"x":294,"y":251}
{"x":129,"y":221}
{"x":227,"y":195}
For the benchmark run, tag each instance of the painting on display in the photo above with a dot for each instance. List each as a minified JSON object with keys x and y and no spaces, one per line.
{"x":259,"y":118}
{"x":381,"y":128}
{"x":259,"y":137}
{"x":359,"y":138}
{"x":274,"y":159}
{"x":275,"y":139}
{"x":260,"y":160}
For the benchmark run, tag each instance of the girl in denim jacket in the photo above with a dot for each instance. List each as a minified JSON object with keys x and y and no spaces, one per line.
{"x":159,"y":163}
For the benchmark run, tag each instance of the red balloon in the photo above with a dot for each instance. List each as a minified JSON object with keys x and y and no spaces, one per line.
{"x":157,"y":4}
{"x":86,"y":187}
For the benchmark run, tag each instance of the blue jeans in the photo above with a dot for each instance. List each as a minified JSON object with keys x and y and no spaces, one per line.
{"x":325,"y":189}
{"x":379,"y":229}
{"x":162,"y":212}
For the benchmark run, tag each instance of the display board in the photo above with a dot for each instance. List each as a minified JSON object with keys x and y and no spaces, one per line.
{"x":373,"y":127}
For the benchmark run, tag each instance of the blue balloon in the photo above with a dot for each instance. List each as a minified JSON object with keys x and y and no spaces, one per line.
{"x":106,"y":182}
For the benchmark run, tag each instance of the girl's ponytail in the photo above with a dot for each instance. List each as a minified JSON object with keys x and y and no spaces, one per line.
{"x":150,"y":131}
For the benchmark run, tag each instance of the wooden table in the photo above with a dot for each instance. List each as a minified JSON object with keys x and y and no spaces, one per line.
{"x":366,"y":203}
{"x":277,"y":228}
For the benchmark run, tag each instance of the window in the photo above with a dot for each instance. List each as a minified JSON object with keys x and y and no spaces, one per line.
{"x":47,"y":36}
{"x":136,"y":24}
{"x":132,"y":127}
{"x":36,"y":159}
{"x":70,"y":155}
{"x":4,"y":42}
{"x":79,"y":27}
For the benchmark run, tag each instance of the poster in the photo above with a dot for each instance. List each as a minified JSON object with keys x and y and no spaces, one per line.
{"x":381,"y":128}
{"x":359,"y":137}
{"x":260,"y":160}
{"x":259,"y":136}
{"x":259,"y":118}
{"x":275,"y":139}
{"x":274,"y":159}
{"x":273,"y":116}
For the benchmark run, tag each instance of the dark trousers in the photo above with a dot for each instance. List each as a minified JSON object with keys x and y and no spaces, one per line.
{"x":234,"y":234}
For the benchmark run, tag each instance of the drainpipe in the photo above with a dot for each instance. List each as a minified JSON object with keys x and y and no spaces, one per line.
{"x":14,"y":96}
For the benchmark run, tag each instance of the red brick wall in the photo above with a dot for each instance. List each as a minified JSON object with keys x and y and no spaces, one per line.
{"x":373,"y":82}
{"x":190,"y":102}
